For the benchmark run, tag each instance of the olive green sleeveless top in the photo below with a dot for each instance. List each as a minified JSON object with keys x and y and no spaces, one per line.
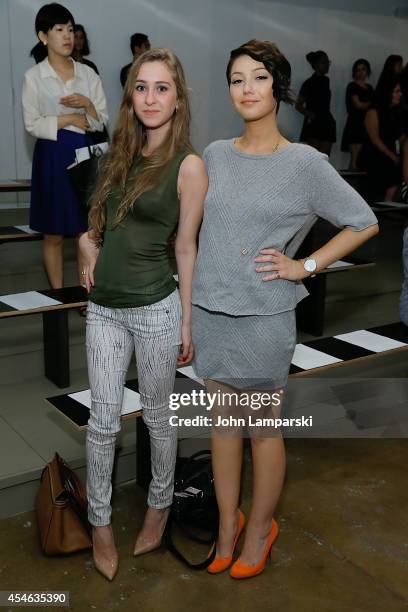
{"x":133,"y":267}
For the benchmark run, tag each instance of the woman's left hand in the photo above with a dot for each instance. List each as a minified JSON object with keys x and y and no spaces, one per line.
{"x":186,"y":348}
{"x":280,"y":266}
{"x":76,"y":100}
{"x":89,"y":255}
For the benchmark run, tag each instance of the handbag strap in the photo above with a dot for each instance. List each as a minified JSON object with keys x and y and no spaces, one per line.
{"x":168,"y":539}
{"x":80,"y":513}
{"x":190,"y":534}
{"x":70,"y":483}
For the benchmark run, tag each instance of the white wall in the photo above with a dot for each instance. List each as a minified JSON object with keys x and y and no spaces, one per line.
{"x":7,"y":146}
{"x":202,"y":33}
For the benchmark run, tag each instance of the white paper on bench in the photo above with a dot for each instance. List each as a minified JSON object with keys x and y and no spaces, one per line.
{"x":308,"y":358}
{"x":28,"y":300}
{"x":131,"y":400}
{"x":370,"y":341}
{"x":82,"y":153}
{"x":340,"y":264}
{"x":25,"y":228}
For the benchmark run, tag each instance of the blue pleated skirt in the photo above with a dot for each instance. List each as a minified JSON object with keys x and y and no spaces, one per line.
{"x":55,"y":208}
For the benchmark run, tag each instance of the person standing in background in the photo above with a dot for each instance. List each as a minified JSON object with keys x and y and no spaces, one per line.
{"x":359,"y":97}
{"x":81,"y":47}
{"x":380,"y":156}
{"x":63,"y":101}
{"x":319,"y":126}
{"x":392,"y":69}
{"x":139,"y":43}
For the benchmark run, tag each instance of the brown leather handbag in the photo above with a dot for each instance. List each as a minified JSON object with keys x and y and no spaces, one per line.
{"x":61,"y":507}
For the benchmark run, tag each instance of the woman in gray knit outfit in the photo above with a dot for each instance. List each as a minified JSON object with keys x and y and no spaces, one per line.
{"x":264,"y":195}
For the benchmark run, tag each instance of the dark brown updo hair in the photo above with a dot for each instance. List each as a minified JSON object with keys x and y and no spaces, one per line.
{"x":314,"y":57}
{"x":275,"y":63}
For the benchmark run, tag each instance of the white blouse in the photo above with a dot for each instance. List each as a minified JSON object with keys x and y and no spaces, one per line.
{"x":42,"y":90}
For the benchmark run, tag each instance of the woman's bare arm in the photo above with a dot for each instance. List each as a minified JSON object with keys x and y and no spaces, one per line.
{"x":192,"y":187}
{"x":345,"y":242}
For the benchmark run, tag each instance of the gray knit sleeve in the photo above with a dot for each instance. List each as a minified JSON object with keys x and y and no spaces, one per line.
{"x":332,"y":198}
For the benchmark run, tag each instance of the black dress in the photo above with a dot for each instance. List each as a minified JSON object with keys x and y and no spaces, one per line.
{"x":382,"y":171}
{"x":354,"y":130}
{"x":316,"y":93}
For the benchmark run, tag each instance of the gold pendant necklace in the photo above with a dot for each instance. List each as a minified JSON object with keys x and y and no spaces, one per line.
{"x":277,"y":145}
{"x":273,"y":150}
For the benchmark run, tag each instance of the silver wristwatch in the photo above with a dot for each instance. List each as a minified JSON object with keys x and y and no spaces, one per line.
{"x":310,"y":265}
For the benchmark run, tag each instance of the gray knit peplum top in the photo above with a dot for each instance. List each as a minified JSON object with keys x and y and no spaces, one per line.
{"x":261,"y":201}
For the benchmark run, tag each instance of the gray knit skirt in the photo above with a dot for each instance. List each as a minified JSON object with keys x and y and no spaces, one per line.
{"x":246,"y":352}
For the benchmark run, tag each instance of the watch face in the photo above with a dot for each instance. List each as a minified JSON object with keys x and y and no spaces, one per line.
{"x":310,"y":265}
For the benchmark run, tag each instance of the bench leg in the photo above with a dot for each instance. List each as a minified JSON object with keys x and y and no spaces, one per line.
{"x":310,"y":311}
{"x":143,"y":467}
{"x":56,"y":347}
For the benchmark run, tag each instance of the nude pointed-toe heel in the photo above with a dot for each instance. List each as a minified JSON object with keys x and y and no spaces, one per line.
{"x":145,"y":548}
{"x":107,"y":567}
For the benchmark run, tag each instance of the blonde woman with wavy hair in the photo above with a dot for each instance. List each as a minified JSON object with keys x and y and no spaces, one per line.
{"x":150,"y":186}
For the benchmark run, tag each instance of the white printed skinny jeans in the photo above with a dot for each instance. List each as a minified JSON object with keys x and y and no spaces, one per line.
{"x":112,"y":334}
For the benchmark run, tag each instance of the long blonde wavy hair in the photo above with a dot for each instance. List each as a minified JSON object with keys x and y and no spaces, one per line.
{"x":128,"y":140}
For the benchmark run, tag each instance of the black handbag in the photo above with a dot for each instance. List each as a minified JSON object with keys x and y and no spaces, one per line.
{"x":194,"y":510}
{"x":100,"y":137}
{"x":83,"y":176}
